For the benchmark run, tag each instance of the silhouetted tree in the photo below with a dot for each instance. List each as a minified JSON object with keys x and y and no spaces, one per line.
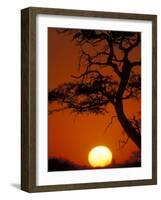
{"x":96,"y":86}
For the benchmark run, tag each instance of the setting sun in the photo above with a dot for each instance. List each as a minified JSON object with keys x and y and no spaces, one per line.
{"x":100,"y":156}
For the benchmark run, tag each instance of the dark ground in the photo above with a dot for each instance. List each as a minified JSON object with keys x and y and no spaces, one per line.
{"x":59,"y":164}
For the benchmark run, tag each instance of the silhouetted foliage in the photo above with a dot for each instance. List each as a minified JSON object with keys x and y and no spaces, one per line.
{"x":94,"y":89}
{"x":60,"y":164}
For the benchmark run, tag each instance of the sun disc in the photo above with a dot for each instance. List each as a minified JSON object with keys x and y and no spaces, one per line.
{"x":100,"y":156}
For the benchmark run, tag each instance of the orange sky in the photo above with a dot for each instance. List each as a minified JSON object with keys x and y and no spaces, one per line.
{"x":71,"y":136}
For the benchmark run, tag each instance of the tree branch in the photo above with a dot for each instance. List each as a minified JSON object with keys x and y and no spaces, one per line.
{"x":110,"y":123}
{"x":136,"y":63}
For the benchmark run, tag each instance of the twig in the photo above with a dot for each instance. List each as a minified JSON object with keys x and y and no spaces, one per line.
{"x":109,"y":124}
{"x":56,"y":110}
{"x":123,"y":142}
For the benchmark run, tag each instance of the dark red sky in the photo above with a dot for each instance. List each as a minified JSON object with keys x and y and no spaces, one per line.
{"x":71,"y":136}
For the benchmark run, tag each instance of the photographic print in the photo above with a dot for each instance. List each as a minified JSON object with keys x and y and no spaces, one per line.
{"x":94,"y":99}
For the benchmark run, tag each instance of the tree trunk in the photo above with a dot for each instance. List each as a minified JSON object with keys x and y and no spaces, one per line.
{"x":126,"y":125}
